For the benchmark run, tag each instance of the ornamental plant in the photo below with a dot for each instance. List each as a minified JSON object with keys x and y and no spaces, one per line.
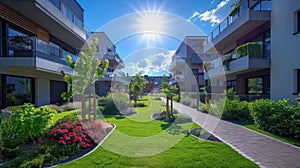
{"x":81,"y":134}
{"x":88,"y":70}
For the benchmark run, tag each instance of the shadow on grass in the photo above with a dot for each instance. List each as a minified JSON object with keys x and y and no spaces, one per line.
{"x":172,"y":128}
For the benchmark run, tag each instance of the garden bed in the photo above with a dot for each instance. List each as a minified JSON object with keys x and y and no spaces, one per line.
{"x":203,"y":134}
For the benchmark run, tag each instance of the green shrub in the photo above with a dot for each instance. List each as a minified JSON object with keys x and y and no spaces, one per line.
{"x":26,"y":123}
{"x":234,"y":110}
{"x":56,"y":108}
{"x":279,"y":117}
{"x":237,"y":111}
{"x":252,"y":49}
{"x":182,"y":118}
{"x":114,"y":103}
{"x":204,"y":108}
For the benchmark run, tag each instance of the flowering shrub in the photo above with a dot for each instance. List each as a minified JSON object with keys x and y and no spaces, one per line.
{"x":83,"y":134}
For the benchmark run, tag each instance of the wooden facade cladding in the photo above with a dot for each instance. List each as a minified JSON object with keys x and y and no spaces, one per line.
{"x":16,"y":18}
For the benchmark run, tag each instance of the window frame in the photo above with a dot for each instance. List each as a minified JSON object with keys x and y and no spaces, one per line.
{"x":263,"y":87}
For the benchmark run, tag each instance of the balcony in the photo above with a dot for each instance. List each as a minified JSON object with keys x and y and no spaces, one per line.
{"x":114,"y":60}
{"x":111,"y":76}
{"x":177,"y":63}
{"x":250,"y":56}
{"x":60,"y":19}
{"x":24,"y":51}
{"x":250,"y":15}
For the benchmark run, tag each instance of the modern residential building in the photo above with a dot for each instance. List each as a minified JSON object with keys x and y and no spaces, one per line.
{"x":285,"y":36}
{"x":187,"y":63}
{"x":243,"y":43}
{"x":107,"y":50}
{"x":36,"y":36}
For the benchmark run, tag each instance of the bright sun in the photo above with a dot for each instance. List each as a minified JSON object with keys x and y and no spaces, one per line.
{"x":151,"y":25}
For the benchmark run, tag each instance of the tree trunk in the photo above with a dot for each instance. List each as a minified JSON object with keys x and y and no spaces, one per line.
{"x":83,"y":107}
{"x":167,"y":108}
{"x":95,"y":107}
{"x":171,"y":105}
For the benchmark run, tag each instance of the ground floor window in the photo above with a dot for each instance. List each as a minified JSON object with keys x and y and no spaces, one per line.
{"x":18,"y":90}
{"x":231,"y":84}
{"x":56,"y":89}
{"x":298,"y":81}
{"x":15,"y":90}
{"x":255,"y":86}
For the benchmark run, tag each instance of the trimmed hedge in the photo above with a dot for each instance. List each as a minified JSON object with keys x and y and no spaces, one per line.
{"x":279,"y":117}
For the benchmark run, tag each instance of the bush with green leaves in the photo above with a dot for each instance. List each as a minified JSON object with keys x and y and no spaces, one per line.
{"x":114,"y":103}
{"x":204,"y":107}
{"x":279,"y":117}
{"x":234,"y":110}
{"x":252,"y":49}
{"x":26,"y":123}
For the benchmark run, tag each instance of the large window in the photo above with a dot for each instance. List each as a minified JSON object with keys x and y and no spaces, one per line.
{"x":298,"y":81}
{"x":255,"y":86}
{"x":1,"y":98}
{"x":297,"y":22}
{"x":231,"y":84}
{"x":196,"y":59}
{"x":18,"y":90}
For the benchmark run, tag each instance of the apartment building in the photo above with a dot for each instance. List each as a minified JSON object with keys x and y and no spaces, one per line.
{"x":36,"y":36}
{"x":107,"y":50}
{"x":187,"y":63}
{"x":243,"y":44}
{"x":285,"y":36}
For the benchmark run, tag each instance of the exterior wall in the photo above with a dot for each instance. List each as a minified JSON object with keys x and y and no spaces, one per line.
{"x":42,"y":91}
{"x":102,"y":87}
{"x":104,"y":44}
{"x":285,"y":49}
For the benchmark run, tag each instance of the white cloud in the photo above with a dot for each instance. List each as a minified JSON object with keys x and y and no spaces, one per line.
{"x":213,"y":16}
{"x":156,"y":63}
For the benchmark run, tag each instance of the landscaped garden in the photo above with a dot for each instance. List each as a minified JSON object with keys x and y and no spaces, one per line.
{"x":192,"y":152}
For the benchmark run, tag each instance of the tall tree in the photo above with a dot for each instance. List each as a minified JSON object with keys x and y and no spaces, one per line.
{"x":87,"y":71}
{"x":136,"y":87}
{"x":170,"y":92}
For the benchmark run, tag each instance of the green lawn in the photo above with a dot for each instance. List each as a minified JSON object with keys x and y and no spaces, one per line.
{"x":139,"y":141}
{"x":292,"y":141}
{"x":58,"y":116}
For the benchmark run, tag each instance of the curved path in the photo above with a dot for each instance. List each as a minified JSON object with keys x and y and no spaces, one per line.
{"x":264,"y":150}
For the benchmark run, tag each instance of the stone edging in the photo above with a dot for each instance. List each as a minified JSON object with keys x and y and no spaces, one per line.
{"x":63,"y":163}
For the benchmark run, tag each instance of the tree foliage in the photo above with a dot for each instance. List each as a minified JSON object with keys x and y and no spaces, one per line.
{"x":136,"y":87}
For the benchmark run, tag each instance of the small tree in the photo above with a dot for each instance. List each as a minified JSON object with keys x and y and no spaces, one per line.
{"x":88,"y":70}
{"x":170,"y":92}
{"x":136,"y":87}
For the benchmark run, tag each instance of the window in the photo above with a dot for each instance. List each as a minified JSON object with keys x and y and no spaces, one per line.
{"x":193,"y":43}
{"x":267,"y":45}
{"x":18,"y":90}
{"x":297,"y":22}
{"x":298,"y":81}
{"x":255,"y":86}
{"x":231,"y":84}
{"x":195,"y":71}
{"x":1,"y":92}
{"x":196,"y":59}
{"x":56,"y":3}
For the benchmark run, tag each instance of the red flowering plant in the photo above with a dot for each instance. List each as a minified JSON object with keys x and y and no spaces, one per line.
{"x":83,"y":134}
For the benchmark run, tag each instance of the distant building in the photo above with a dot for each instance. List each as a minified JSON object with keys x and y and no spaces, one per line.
{"x":187,"y":63}
{"x":107,"y":50}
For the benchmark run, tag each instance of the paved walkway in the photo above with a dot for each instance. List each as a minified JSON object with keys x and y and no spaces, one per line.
{"x":264,"y":150}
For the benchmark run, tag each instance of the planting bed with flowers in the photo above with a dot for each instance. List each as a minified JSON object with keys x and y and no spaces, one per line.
{"x":68,"y":139}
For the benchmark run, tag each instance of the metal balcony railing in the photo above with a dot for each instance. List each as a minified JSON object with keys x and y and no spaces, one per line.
{"x":246,"y":5}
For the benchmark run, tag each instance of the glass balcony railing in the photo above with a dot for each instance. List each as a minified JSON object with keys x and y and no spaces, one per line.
{"x":253,"y":5}
{"x":25,"y":46}
{"x":256,"y":50}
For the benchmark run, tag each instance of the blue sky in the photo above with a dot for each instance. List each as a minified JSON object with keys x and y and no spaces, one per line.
{"x":127,"y":23}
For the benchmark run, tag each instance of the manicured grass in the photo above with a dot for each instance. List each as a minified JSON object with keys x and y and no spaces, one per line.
{"x":61,"y":115}
{"x":140,"y":142}
{"x":292,"y":141}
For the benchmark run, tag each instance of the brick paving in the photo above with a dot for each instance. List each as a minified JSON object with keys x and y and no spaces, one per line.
{"x":263,"y":150}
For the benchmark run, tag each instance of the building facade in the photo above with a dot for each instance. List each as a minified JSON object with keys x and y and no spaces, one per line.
{"x":187,"y":63}
{"x":243,"y":44}
{"x":285,"y":63}
{"x":258,"y":51}
{"x":106,"y":50}
{"x":34,"y":47}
